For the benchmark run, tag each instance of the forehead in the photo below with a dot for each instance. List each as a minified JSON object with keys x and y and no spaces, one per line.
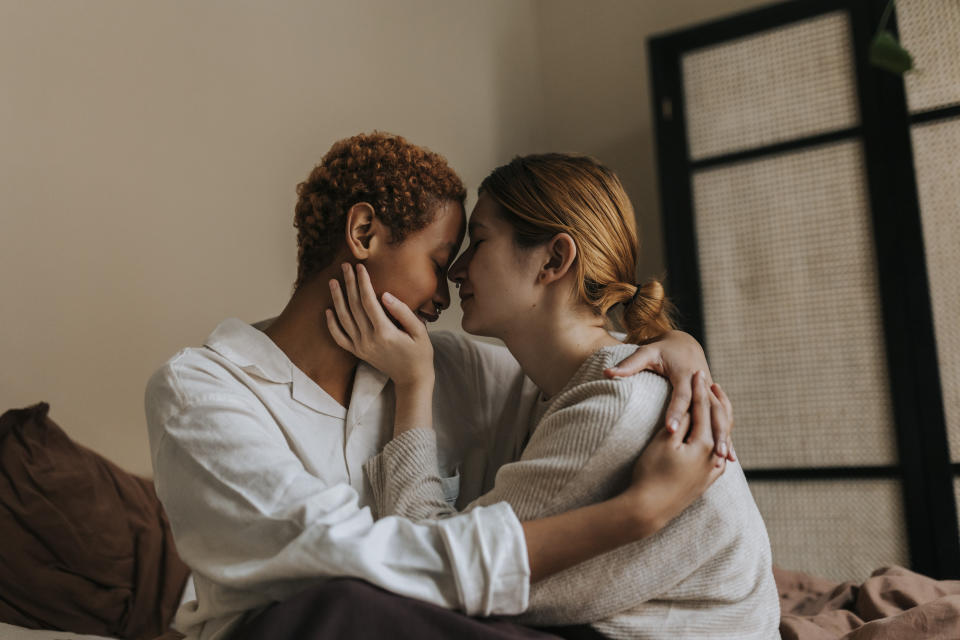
{"x":446,"y":228}
{"x":485,"y":214}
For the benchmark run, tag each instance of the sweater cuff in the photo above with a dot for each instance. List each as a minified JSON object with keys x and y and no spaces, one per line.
{"x":403,"y":477}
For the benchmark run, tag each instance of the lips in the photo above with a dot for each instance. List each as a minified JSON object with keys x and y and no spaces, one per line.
{"x":426,"y":318}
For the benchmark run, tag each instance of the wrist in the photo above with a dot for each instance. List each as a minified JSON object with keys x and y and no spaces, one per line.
{"x":417,"y":385}
{"x":641,"y":513}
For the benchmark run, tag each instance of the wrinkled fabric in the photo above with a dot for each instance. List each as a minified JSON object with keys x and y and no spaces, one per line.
{"x":86,"y":546}
{"x":893,"y":604}
{"x":260,"y":473}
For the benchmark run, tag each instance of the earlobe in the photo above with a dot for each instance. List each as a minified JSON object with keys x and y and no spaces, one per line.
{"x":361,"y":229}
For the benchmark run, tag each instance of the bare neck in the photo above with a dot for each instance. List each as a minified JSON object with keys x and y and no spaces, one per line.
{"x":552,"y":346}
{"x":301,"y":333}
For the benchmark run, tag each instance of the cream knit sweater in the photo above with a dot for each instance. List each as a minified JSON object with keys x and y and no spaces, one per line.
{"x":707,"y":574}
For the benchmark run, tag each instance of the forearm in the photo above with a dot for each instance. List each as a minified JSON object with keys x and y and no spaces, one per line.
{"x":414,"y":406}
{"x":404,"y":480}
{"x":562,"y":541}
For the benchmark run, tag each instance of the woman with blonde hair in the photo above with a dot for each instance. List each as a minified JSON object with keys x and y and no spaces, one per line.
{"x":552,"y":258}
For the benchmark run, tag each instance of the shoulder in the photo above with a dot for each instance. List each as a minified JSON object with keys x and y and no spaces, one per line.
{"x":638,"y":395}
{"x":185,"y":379}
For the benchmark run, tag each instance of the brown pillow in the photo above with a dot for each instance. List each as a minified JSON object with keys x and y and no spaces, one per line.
{"x":85,"y":546}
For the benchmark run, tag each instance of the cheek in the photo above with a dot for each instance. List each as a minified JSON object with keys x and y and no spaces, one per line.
{"x":414,"y":286}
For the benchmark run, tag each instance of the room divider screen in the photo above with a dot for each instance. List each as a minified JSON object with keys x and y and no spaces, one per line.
{"x":811,"y":208}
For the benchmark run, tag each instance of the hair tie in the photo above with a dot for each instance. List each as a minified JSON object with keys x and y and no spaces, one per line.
{"x":633,"y":298}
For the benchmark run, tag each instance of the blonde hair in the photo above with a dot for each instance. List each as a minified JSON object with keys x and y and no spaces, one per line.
{"x":546,"y":194}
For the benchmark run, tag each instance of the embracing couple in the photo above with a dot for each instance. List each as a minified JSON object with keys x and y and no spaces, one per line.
{"x":341,"y":472}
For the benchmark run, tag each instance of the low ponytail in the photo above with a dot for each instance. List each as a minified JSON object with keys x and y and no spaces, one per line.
{"x":647,"y":314}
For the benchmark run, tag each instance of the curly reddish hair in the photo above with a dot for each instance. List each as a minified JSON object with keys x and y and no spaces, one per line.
{"x":401,"y":181}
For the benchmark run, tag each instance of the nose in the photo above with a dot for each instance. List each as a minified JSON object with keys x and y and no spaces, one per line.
{"x":458,"y":270}
{"x":441,"y":298}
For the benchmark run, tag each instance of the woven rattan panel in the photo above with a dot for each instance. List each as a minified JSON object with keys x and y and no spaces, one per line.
{"x":782,"y":84}
{"x":792,"y":310}
{"x":937,"y":162}
{"x":840,"y":529}
{"x":930,"y":30}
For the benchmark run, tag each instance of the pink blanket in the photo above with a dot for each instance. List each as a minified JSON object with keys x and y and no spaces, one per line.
{"x":893,"y":604}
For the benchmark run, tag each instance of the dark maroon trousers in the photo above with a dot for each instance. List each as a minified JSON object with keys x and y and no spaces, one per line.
{"x":354,"y":609}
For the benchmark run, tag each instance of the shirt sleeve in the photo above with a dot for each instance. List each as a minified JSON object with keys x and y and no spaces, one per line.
{"x":579,"y":454}
{"x":248,"y":516}
{"x":482,"y":410}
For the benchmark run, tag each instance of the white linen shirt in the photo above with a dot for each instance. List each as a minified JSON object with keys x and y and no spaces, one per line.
{"x":260,"y":472}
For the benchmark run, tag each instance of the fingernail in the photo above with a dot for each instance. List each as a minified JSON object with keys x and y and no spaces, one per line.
{"x":723,"y":449}
{"x":333,"y":284}
{"x":388,"y":297}
{"x":673,"y":425}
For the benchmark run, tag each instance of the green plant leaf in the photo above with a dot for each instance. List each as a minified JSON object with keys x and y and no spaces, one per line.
{"x":886,"y":53}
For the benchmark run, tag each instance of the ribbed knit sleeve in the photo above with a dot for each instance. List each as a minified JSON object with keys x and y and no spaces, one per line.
{"x":404,"y":480}
{"x":712,"y":562}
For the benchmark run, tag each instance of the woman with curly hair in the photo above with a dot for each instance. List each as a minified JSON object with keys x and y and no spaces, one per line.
{"x":258,"y":438}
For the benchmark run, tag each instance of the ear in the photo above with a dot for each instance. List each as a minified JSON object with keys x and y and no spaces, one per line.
{"x":362,"y":229}
{"x":561,"y":254}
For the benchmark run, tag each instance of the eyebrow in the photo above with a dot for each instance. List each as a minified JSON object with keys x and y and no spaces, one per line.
{"x":474,"y":225}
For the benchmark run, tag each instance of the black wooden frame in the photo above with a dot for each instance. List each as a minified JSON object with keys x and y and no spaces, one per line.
{"x":924,"y":466}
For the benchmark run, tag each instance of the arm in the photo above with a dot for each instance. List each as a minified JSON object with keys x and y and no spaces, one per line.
{"x":651,"y":501}
{"x":249,"y":517}
{"x":560,"y":469}
{"x":677,"y":357}
{"x":630,"y":575}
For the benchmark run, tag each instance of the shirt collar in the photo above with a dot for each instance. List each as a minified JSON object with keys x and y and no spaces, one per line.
{"x":254,"y":352}
{"x":251,"y":350}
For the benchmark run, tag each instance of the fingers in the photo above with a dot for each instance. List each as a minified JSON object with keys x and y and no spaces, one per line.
{"x":343,"y":313}
{"x":728,"y":409}
{"x":680,"y":400}
{"x":368,"y":298}
{"x":720,"y":427}
{"x":701,"y":411}
{"x":353,"y":299}
{"x":646,"y":358}
{"x":679,"y":431}
{"x":716,"y":471}
{"x":341,"y":338}
{"x":408,"y":320}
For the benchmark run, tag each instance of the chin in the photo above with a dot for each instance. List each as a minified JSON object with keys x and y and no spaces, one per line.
{"x":470,"y":326}
{"x":476,"y":329}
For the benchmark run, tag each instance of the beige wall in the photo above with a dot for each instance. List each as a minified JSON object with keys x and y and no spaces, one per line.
{"x":149,"y":156}
{"x":149,"y":153}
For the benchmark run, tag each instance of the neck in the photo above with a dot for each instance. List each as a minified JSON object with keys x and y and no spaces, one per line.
{"x":301,"y":333}
{"x":551,"y":347}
